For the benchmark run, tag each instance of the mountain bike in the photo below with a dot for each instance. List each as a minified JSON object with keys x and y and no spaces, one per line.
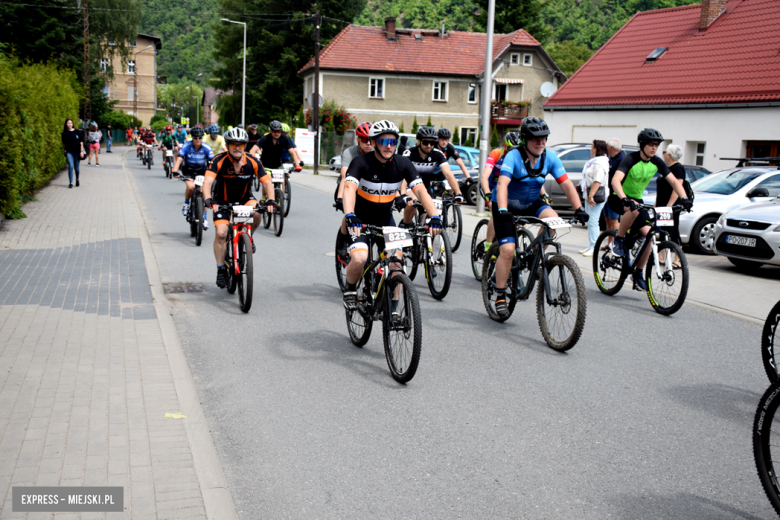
{"x":434,"y":253}
{"x":768,"y":335}
{"x":561,"y":304}
{"x":167,"y":161}
{"x":281,"y":179}
{"x":148,"y":159}
{"x":766,"y":439}
{"x":667,"y":287}
{"x":478,"y":248}
{"x":278,"y":214}
{"x":451,"y":216}
{"x":197,"y":211}
{"x":385,"y":293}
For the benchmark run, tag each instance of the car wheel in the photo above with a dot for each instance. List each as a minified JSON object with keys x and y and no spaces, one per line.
{"x":745,"y":264}
{"x":703,"y":236}
{"x":472,"y":194}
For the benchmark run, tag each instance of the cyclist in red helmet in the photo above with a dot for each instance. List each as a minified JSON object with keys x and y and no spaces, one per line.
{"x":363,"y":146}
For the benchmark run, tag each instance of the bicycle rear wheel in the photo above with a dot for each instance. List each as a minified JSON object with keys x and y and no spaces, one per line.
{"x":266,"y":219}
{"x":478,"y":248}
{"x":608,"y":268}
{"x":341,"y":262}
{"x":198,"y":219}
{"x":454,"y":223}
{"x":768,"y":335}
{"x":232,"y":278}
{"x":438,"y":270}
{"x":489,"y":285}
{"x":246,"y":278}
{"x":278,"y":213}
{"x":359,"y":322}
{"x":667,"y":290}
{"x":287,"y":196}
{"x":765,"y":440}
{"x":402,"y":328}
{"x":562,"y":322}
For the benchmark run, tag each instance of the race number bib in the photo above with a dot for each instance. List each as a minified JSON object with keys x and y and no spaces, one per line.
{"x":396,"y":238}
{"x":169,"y":153}
{"x":664,"y":216}
{"x":199,"y":180}
{"x":277,"y":177}
{"x":446,"y":185}
{"x":556,"y":223}
{"x":242,"y":213}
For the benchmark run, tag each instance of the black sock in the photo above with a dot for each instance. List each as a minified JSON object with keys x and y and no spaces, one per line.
{"x":500,"y":293}
{"x":351,"y":286}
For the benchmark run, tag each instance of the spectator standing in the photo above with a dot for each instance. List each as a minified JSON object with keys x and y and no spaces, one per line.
{"x":108,"y":138}
{"x":93,"y":139}
{"x":73,"y":147}
{"x":616,"y":154}
{"x":665,"y":195}
{"x":595,"y":174}
{"x":129,"y":133}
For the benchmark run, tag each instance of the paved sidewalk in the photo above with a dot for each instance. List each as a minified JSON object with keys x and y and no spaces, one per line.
{"x":90,"y":361}
{"x":715,"y":284}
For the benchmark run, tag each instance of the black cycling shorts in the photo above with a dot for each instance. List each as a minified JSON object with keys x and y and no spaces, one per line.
{"x":363,"y":242}
{"x":505,"y":228}
{"x":191,"y":173}
{"x":615,"y":203}
{"x":223,"y":217}
{"x":427,"y":179}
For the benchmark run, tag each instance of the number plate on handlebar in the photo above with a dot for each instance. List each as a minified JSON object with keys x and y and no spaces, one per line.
{"x":277,"y":177}
{"x":199,"y":180}
{"x":446,"y":185}
{"x":242,"y":213}
{"x":169,"y":153}
{"x":556,"y":223}
{"x":664,"y":216}
{"x":438,"y":204}
{"x":396,"y":237}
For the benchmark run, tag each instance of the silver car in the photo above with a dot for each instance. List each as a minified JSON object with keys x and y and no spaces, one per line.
{"x":750,"y":236}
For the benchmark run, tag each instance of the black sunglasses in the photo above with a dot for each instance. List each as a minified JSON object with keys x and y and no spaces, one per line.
{"x":428,"y":143}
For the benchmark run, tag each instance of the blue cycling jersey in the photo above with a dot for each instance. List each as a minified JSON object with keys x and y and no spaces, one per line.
{"x":196,"y":159}
{"x":180,"y":135}
{"x":523,"y":189}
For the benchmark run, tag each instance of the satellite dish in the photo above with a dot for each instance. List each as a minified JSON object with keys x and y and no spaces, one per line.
{"x":548,"y":89}
{"x":310,"y":99}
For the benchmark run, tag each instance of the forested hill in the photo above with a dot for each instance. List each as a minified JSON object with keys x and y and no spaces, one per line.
{"x":185,"y":29}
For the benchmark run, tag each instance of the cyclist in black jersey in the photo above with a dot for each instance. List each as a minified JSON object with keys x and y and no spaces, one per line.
{"x":370,"y":188}
{"x":446,"y":147}
{"x":432,"y":165}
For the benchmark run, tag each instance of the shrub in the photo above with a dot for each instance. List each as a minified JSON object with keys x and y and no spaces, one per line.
{"x":456,"y":136}
{"x":494,"y":138}
{"x":35,"y":100}
{"x":335,"y":114}
{"x":415,"y":126}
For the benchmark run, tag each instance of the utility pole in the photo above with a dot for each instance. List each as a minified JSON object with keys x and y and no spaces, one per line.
{"x":487,"y":84}
{"x":85,"y":72}
{"x":316,"y":108}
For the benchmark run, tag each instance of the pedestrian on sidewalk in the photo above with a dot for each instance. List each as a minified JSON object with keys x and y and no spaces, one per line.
{"x":93,"y":139}
{"x":616,"y":155}
{"x":595,"y":174}
{"x":73,"y":147}
{"x":665,"y":195}
{"x":108,"y":138}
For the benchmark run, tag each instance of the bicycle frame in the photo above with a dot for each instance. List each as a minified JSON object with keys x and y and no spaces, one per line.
{"x":368,"y":272}
{"x":652,"y":238}
{"x":235,"y":229}
{"x":538,"y":259}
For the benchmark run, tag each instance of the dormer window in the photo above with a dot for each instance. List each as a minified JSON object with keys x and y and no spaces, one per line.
{"x":653,"y":56}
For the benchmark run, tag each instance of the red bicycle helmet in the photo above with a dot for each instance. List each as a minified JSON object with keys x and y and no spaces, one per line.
{"x":169,"y":127}
{"x":363,"y":129}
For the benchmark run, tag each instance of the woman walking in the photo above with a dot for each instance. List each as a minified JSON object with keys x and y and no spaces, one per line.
{"x":665,"y":195}
{"x":594,"y":180}
{"x":93,"y":138}
{"x":73,"y":146}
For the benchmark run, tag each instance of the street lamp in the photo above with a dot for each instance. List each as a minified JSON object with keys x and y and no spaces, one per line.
{"x":243,"y":84}
{"x":135,"y":81}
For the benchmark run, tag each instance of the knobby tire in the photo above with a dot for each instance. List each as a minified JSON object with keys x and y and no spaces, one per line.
{"x":562,"y":324}
{"x":246,"y":278}
{"x":765,"y":440}
{"x":661,"y":292}
{"x":402,"y":334}
{"x":768,"y":335}
{"x":478,"y":248}
{"x":278,"y":214}
{"x":438,"y":269}
{"x":489,"y":286}
{"x":199,"y":216}
{"x":608,"y":270}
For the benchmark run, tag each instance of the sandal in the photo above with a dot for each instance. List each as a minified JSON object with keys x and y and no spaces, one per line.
{"x":675,"y":265}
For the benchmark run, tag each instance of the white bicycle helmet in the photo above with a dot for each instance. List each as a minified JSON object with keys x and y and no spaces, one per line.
{"x":236,"y":135}
{"x":383,"y":127}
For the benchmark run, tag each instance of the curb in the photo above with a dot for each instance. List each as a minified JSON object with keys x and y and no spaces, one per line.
{"x":217,"y":500}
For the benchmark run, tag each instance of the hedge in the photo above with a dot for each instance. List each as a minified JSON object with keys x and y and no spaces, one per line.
{"x":35,"y":100}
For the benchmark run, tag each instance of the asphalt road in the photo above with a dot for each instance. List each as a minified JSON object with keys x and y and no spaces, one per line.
{"x":646,"y":417}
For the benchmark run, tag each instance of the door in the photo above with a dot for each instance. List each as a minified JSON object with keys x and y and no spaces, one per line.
{"x":762,"y":149}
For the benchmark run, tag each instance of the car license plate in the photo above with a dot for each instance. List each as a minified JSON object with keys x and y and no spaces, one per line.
{"x":740,"y":241}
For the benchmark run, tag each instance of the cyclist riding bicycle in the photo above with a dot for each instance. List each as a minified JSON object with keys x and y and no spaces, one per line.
{"x":147,"y":137}
{"x":271,"y":147}
{"x":214,"y":140}
{"x":167,"y":139}
{"x":490,"y":177}
{"x":254,"y":137}
{"x":448,"y":150}
{"x":287,"y":157}
{"x":195,"y":156}
{"x":432,"y":165}
{"x":628,"y":184}
{"x":518,"y":192}
{"x":370,"y":188}
{"x":231,"y":173}
{"x":180,"y":135}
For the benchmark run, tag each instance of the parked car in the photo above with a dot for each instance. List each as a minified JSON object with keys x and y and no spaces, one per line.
{"x":750,"y":236}
{"x":335,"y":163}
{"x":470,"y":158}
{"x":692,"y":174}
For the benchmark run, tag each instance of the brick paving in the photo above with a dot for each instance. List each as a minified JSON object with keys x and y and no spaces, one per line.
{"x":85,"y":380}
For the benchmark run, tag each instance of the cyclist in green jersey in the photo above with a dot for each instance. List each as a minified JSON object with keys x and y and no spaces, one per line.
{"x":168,"y":140}
{"x":629,"y":183}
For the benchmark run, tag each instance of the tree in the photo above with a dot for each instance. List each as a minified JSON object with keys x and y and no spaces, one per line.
{"x":494,"y":137}
{"x":510,"y":16}
{"x":415,"y":126}
{"x":421,"y":14}
{"x":429,"y":123}
{"x":300,"y":121}
{"x":401,"y":128}
{"x":569,"y":55}
{"x":456,"y":136}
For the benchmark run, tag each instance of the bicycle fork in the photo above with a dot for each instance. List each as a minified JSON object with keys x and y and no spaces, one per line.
{"x":429,"y":256}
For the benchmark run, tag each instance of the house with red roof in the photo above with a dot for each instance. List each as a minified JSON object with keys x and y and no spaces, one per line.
{"x":397,"y":74}
{"x":706,"y":76}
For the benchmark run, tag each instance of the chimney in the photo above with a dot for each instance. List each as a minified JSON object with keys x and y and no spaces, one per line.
{"x":390,"y":27}
{"x":710,"y":10}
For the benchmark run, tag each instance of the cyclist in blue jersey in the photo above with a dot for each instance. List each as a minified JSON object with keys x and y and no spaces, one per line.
{"x":518,"y":192}
{"x":180,"y":135}
{"x":195,"y":156}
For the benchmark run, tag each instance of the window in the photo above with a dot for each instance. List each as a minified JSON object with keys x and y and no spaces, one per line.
{"x":130,"y":93}
{"x":500,"y":92}
{"x":440,"y":91}
{"x":104,"y":64}
{"x":514,"y":59}
{"x":376,"y":88}
{"x":131,"y":67}
{"x":657,"y":53}
{"x":472,"y":93}
{"x":772,"y":184}
{"x":763,"y":149}
{"x":575,"y":160}
{"x":464,"y":156}
{"x":700,"y":154}
{"x":528,"y":60}
{"x":132,"y":43}
{"x":468,"y":136}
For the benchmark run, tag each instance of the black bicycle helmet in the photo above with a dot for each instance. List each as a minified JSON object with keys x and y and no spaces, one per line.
{"x":444,"y":133}
{"x":647,"y":135}
{"x":275,"y":126}
{"x":533,"y":127}
{"x":512,"y":139}
{"x":426,"y":132}
{"x":197,"y":132}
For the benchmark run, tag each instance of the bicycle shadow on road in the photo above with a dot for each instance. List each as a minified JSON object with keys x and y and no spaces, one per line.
{"x":727,"y":402}
{"x":684,"y":505}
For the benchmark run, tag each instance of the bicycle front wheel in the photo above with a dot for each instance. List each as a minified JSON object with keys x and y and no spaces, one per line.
{"x":668,"y":288}
{"x":402,"y":327}
{"x":478,"y":248}
{"x":438,"y":270}
{"x":454,"y":224}
{"x":198,"y":218}
{"x":279,"y":214}
{"x":768,"y":343}
{"x":287,"y":196}
{"x":765,"y":439}
{"x":245,"y":279}
{"x":562,"y":319}
{"x":232,"y":278}
{"x":608,"y":268}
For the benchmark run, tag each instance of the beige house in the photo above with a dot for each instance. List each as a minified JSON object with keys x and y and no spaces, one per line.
{"x":210,"y":115}
{"x":397,"y":74}
{"x":137,"y":76}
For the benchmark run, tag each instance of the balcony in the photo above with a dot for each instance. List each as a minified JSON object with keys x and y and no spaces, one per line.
{"x":508,"y":112}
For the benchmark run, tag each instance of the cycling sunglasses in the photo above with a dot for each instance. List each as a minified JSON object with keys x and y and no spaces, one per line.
{"x":428,"y":143}
{"x":364,"y":140}
{"x":387,"y":141}
{"x":236,"y":145}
